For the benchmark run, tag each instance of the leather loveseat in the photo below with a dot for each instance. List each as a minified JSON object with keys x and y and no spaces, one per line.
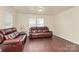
{"x":40,"y":32}
{"x":11,"y":40}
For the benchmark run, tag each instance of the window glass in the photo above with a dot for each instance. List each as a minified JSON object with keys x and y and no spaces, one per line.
{"x":8,"y":21}
{"x":33,"y":22}
{"x":40,"y":22}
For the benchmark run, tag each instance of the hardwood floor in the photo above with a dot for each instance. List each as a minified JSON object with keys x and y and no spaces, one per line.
{"x":54,"y":44}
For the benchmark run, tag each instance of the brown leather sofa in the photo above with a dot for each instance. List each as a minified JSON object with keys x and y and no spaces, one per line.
{"x":11,"y":40}
{"x":40,"y":32}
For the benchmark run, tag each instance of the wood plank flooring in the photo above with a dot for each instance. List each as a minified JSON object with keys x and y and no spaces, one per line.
{"x":54,"y":44}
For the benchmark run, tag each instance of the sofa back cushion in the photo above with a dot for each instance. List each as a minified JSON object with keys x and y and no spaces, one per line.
{"x":7,"y":31}
{"x":45,"y":30}
{"x":39,"y":29}
{"x":42,"y":29}
{"x":33,"y":29}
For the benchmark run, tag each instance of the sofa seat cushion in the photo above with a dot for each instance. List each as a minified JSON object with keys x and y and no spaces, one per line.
{"x":10,"y":36}
{"x":47,"y":33}
{"x":16,"y":40}
{"x":34,"y":31}
{"x":39,"y":31}
{"x":41,"y":35}
{"x":21,"y":37}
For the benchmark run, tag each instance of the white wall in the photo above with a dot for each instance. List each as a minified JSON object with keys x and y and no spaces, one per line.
{"x":66,"y":24}
{"x":23,"y":21}
{"x":3,"y":10}
{"x":1,"y":16}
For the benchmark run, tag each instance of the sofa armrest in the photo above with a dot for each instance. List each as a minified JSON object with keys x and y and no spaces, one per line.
{"x":50,"y":32}
{"x":30,"y":32}
{"x":22,"y":33}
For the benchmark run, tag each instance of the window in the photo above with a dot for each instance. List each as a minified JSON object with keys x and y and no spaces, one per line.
{"x":32,"y":22}
{"x":8,"y":21}
{"x":40,"y":22}
{"x":36,"y":22}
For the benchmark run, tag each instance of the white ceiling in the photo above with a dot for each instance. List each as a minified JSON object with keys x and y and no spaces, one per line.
{"x":49,"y":10}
